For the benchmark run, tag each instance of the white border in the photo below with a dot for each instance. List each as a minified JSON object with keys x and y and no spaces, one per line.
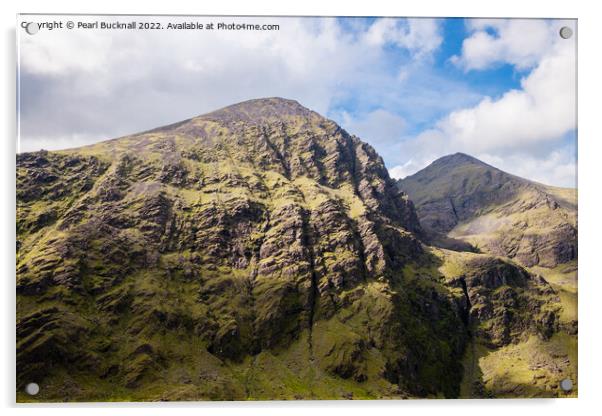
{"x":590,"y":201}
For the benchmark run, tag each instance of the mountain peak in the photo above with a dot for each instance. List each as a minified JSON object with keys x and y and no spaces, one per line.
{"x":261,"y":109}
{"x":459,"y":159}
{"x":461,"y":163}
{"x":456,"y":174}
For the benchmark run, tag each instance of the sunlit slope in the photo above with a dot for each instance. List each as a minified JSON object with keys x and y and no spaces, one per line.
{"x":200,"y":260}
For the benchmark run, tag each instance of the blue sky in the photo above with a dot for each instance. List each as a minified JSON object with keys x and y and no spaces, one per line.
{"x":438,"y":84}
{"x":416,"y":89}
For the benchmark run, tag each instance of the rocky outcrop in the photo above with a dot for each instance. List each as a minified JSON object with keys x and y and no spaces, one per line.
{"x":504,"y":303}
{"x":262,"y":229}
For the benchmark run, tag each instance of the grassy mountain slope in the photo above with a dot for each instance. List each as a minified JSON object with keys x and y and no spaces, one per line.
{"x":256,"y":252}
{"x":197,"y":260}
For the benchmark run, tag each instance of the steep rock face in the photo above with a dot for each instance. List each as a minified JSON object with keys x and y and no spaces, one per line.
{"x":460,"y":199}
{"x":519,"y":343}
{"x":506,"y":303}
{"x":258,"y":235}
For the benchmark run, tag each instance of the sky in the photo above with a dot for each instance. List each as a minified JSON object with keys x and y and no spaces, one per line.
{"x":502,"y":90}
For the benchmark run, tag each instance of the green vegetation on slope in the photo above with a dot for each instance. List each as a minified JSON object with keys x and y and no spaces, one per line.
{"x":260,"y":252}
{"x":251,"y":253}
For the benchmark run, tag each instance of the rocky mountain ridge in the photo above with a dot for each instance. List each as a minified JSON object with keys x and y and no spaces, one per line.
{"x":256,"y":252}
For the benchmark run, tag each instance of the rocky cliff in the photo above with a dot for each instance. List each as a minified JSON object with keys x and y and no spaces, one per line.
{"x":256,"y":252}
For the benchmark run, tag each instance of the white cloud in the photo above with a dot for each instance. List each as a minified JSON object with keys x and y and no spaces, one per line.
{"x":558,"y":167}
{"x":420,"y":36}
{"x":65,"y":142}
{"x":379,"y":127}
{"x":526,"y":121}
{"x":408,"y":168}
{"x":543,"y":110}
{"x":45,"y":55}
{"x":522,"y":43}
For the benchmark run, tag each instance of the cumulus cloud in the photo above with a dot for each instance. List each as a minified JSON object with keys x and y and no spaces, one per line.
{"x":379,"y":127}
{"x":522,"y":43}
{"x":557,"y":167}
{"x":542,"y":110}
{"x":531,"y":120}
{"x":81,"y":86}
{"x":408,"y":168}
{"x":420,"y":36}
{"x":411,"y":166}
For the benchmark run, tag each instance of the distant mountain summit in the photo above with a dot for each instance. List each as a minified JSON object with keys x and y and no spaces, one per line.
{"x":463,"y":198}
{"x":456,"y":159}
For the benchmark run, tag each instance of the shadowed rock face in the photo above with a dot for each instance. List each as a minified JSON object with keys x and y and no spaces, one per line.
{"x":200,"y":256}
{"x":460,"y":199}
{"x":507,"y":303}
